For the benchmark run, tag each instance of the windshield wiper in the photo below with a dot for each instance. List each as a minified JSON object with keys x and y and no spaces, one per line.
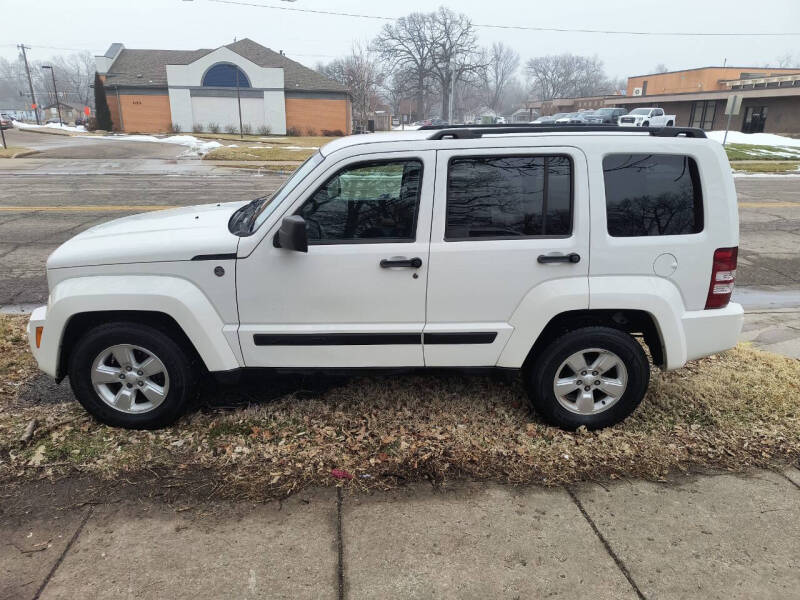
{"x":242,"y":220}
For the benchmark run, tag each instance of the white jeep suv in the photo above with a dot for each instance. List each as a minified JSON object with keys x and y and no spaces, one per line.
{"x":552,"y":251}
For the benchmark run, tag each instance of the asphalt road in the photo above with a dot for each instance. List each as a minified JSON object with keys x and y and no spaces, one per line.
{"x":39,"y":212}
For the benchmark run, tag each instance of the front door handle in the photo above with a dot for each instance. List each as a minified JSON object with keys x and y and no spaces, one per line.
{"x":572,"y":257}
{"x":401,"y":261}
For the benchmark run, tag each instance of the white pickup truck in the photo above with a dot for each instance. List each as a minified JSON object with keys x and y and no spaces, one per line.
{"x":646,"y":117}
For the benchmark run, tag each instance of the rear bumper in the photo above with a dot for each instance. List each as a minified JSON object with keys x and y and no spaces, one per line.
{"x":711,"y":331}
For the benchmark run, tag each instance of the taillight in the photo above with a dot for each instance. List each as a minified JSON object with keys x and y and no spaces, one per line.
{"x":723,"y":277}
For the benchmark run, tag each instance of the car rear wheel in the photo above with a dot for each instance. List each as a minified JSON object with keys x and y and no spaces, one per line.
{"x":131,"y":375}
{"x":593,"y":376}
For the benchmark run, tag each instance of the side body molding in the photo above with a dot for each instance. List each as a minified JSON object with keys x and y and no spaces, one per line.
{"x":176,"y":297}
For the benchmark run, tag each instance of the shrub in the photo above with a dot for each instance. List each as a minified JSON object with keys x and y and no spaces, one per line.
{"x":230,"y":128}
{"x":293,"y":131}
{"x":174,"y":128}
{"x":264,"y":130}
{"x":332,"y":132}
{"x":101,"y":110}
{"x":213,"y":127}
{"x":197,"y":127}
{"x":311,"y":131}
{"x":247,"y":129}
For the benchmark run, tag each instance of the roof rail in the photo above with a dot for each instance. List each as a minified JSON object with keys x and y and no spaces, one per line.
{"x":461,"y":132}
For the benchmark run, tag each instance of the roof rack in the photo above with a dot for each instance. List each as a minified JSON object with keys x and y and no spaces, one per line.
{"x":461,"y":132}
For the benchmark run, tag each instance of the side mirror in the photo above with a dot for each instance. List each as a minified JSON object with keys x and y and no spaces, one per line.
{"x":292,"y":234}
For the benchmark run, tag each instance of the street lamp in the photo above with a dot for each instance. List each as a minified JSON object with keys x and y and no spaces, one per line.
{"x":55,"y":93}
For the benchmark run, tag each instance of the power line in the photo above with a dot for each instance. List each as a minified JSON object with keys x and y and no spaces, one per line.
{"x":517,"y":27}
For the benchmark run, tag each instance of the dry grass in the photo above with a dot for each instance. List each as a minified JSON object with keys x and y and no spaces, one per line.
{"x":251,"y":153}
{"x":761,"y":152}
{"x":772,"y":166}
{"x":733,"y":411}
{"x":315,"y":141}
{"x":12,"y":151}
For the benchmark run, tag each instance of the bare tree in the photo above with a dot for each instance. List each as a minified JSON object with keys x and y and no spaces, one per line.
{"x":786,"y":60}
{"x":361,"y":73}
{"x":501,"y":65}
{"x":566,"y":75}
{"x":75,"y":74}
{"x":405,"y":45}
{"x":455,"y":52}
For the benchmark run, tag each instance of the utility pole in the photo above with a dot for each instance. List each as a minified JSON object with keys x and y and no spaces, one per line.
{"x":55,"y":92}
{"x":239,"y":102}
{"x":30,"y":81}
{"x":452,"y":94}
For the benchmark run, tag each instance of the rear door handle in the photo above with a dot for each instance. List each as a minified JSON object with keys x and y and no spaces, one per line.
{"x":401,"y":261}
{"x":572,"y":257}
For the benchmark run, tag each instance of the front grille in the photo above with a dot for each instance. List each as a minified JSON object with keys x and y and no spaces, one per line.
{"x":627,"y":120}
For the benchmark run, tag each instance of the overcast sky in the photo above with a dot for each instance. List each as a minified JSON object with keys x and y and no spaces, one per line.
{"x":50,"y":25}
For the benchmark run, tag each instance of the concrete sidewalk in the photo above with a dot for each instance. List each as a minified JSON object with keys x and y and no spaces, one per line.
{"x":720,"y":536}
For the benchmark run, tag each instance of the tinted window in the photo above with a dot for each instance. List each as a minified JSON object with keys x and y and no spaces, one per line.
{"x":652,"y":194}
{"x":375,"y":201}
{"x":509,"y":196}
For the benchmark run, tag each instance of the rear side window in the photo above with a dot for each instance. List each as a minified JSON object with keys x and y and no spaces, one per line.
{"x":498,"y":197}
{"x":652,"y":194}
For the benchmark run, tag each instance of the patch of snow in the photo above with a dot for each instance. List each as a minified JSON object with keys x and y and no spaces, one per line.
{"x":300,"y":147}
{"x":194,"y":146}
{"x":78,"y":128}
{"x":760,"y":139}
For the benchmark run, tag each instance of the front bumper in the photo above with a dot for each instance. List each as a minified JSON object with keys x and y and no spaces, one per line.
{"x":45,"y":353}
{"x":711,"y":331}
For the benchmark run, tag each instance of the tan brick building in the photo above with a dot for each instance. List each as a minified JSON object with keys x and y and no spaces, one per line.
{"x":160,"y":90}
{"x":697,"y":97}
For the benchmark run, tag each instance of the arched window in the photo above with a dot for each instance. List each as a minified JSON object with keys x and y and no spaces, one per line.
{"x":224,"y":75}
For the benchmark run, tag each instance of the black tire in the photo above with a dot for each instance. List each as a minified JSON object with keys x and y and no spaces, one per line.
{"x":646,"y":124}
{"x":670,"y":123}
{"x":540,"y":376}
{"x":180,"y":367}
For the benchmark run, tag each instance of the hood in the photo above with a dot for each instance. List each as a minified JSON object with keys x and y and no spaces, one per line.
{"x":164,"y":235}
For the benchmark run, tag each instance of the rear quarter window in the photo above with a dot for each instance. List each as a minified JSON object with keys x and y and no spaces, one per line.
{"x":652,"y":195}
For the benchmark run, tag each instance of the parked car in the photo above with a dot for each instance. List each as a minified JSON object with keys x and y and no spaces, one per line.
{"x":6,"y":122}
{"x":605,"y":115}
{"x":500,"y":121}
{"x":547,"y":119}
{"x":647,"y":117}
{"x":474,"y":272}
{"x":569,"y":118}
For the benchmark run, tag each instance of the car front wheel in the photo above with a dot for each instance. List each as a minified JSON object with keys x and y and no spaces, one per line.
{"x":131,"y":375}
{"x":592,"y":376}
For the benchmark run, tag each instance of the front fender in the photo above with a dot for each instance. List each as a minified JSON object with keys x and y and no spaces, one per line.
{"x":176,"y":297}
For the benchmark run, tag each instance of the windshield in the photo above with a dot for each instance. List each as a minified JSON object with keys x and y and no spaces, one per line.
{"x":250,"y":216}
{"x":640,"y":111}
{"x":605,"y":111}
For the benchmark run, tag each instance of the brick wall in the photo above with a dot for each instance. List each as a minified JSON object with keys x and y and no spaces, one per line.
{"x":694,"y":80}
{"x":318,"y":114}
{"x":141,"y":113}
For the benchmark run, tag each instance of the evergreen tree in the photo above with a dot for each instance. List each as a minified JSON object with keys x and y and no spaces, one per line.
{"x":102,"y":114}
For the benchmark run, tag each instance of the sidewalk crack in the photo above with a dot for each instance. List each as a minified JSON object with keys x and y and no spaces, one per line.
{"x":63,"y":554}
{"x":620,"y":565}
{"x":339,"y":544}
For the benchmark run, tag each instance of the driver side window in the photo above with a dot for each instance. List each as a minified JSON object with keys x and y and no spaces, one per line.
{"x":376,"y":201}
